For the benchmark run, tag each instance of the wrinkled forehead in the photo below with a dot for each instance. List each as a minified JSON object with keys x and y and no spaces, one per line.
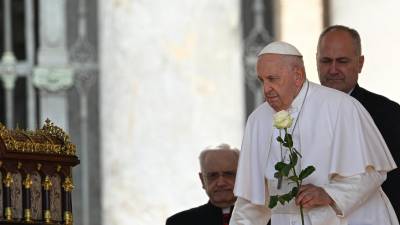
{"x":220,"y":160}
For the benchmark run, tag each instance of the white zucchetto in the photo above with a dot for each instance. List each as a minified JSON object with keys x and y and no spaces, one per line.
{"x":281,"y":48}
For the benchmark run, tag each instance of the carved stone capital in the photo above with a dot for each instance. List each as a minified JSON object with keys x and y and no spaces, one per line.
{"x":53,"y":79}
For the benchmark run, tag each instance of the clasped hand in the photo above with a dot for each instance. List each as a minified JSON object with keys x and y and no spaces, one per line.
{"x":311,"y":196}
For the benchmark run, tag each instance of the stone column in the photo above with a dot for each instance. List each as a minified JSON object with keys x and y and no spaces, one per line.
{"x":171,"y":84}
{"x":53,"y":75}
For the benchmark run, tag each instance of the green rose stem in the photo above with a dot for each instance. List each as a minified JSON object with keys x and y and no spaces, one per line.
{"x":298,"y":183}
{"x":283,"y":169}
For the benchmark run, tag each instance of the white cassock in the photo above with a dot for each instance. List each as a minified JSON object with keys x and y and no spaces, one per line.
{"x":336,"y":135}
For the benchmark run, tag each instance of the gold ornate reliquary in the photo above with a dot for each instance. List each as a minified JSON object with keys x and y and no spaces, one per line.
{"x":36,"y":179}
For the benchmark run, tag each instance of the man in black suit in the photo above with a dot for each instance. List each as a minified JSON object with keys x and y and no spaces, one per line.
{"x":339,"y":61}
{"x":218,"y":173}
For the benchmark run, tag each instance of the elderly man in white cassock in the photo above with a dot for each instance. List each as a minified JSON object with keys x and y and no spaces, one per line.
{"x":332,"y":132}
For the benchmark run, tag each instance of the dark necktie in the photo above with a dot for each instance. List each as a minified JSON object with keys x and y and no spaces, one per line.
{"x":226,"y":217}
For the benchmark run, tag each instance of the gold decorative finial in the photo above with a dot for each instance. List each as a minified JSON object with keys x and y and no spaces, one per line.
{"x":8,"y":180}
{"x":68,"y":218}
{"x":47,"y":183}
{"x":47,"y":216}
{"x":27,"y":182}
{"x":28,"y":215}
{"x":8,"y":213}
{"x":68,"y":185}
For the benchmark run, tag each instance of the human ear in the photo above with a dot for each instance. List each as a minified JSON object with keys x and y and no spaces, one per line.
{"x":360,"y":63}
{"x":202,"y":180}
{"x":299,"y":75}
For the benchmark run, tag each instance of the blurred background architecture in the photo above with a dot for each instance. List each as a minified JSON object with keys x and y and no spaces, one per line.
{"x":144,"y":86}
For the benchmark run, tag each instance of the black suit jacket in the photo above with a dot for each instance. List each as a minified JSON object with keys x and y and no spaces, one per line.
{"x":386,"y":115}
{"x":207,"y":214}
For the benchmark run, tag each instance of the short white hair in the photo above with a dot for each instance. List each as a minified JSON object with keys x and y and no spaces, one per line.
{"x":219,"y":147}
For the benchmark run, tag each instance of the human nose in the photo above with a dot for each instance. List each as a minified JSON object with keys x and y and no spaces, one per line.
{"x":333,"y":68}
{"x":267,"y":87}
{"x":221,"y":181}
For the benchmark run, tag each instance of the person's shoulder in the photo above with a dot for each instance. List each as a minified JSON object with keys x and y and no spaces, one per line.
{"x":328,"y":95}
{"x":317,"y":88}
{"x":371,"y":98}
{"x":332,"y":102}
{"x":187,"y":216}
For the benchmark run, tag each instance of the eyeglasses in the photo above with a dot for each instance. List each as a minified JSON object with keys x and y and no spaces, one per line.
{"x":212,"y":176}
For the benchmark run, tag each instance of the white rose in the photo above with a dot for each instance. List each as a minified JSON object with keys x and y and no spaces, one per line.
{"x":282,"y":119}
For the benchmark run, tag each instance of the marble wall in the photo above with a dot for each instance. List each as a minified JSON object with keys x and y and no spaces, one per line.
{"x":171,"y":83}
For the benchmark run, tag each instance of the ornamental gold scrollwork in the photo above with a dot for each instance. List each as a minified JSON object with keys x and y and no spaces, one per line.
{"x":49,"y":132}
{"x":24,"y":133}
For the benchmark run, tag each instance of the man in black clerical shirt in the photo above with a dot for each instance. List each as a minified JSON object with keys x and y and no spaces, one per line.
{"x":218,"y":172}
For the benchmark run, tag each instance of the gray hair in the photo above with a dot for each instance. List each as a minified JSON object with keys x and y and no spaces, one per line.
{"x":219,"y":147}
{"x":352,"y":32}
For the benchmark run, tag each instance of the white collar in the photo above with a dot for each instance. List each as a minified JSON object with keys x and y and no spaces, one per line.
{"x":226,"y":210}
{"x":351,"y":91}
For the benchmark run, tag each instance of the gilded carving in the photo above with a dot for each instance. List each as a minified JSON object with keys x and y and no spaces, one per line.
{"x":68,"y":185}
{"x":47,"y":216}
{"x":68,"y":218}
{"x":47,"y":183}
{"x":19,"y":140}
{"x":28,"y":215}
{"x":27,"y":182}
{"x":8,"y":213}
{"x":8,"y":180}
